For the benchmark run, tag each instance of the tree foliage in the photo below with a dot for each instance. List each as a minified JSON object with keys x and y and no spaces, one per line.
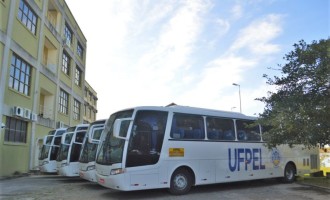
{"x":299,"y":111}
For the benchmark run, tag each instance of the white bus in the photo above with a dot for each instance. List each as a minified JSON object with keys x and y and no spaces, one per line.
{"x":49,"y":149}
{"x":178,"y":147}
{"x":89,"y":150}
{"x":68,"y":155}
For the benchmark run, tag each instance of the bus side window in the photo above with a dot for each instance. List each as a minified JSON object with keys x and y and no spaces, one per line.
{"x":246,"y":131}
{"x":187,"y":126}
{"x":176,"y":132}
{"x":220,"y":128}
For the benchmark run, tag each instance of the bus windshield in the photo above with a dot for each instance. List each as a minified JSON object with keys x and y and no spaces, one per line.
{"x":145,"y":140}
{"x":63,"y":152}
{"x":88,"y":153}
{"x":111,"y":150}
{"x":44,"y":152}
{"x":64,"y":148}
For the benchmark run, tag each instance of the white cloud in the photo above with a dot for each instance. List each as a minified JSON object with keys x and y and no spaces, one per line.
{"x":237,"y":11}
{"x":257,"y":36}
{"x":146,"y":53}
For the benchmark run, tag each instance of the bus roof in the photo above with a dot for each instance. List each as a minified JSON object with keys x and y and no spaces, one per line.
{"x":195,"y":110}
{"x":100,"y":121}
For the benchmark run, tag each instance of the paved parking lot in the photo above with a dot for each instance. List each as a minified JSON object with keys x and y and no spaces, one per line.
{"x":58,"y":187}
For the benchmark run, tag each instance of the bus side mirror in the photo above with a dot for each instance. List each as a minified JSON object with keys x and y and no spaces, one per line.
{"x":79,"y":136}
{"x":120,"y":128}
{"x":66,"y":138}
{"x":47,"y":139}
{"x":95,"y":135}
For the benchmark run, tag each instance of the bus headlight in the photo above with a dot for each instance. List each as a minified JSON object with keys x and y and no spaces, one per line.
{"x":92,"y":167}
{"x":117,"y":171}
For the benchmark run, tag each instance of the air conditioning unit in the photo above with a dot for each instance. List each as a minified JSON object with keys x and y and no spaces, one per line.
{"x":18,"y":111}
{"x":27,"y":113}
{"x":59,"y":124}
{"x":34,"y":117}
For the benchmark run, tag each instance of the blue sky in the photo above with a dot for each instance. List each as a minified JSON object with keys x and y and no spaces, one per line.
{"x":190,"y":52}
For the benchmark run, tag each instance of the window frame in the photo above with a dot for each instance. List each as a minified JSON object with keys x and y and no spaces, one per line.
{"x":63,"y":102}
{"x":78,"y":76}
{"x":80,"y":50}
{"x":16,"y":134}
{"x":27,"y":16}
{"x":66,"y":60}
{"x":68,"y":33}
{"x":20,"y":75}
{"x":76,"y":109}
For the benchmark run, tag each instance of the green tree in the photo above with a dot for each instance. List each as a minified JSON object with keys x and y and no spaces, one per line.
{"x":299,"y":111}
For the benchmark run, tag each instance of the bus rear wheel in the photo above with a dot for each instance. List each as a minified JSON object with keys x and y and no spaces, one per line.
{"x":289,"y":173}
{"x":181,"y":182}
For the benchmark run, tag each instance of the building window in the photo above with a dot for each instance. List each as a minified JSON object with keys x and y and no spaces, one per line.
{"x":27,"y":16}
{"x":68,"y":35}
{"x":20,"y":75}
{"x":16,"y":130}
{"x":64,"y":102}
{"x":66,"y":63}
{"x":76,"y":109}
{"x":80,"y":51}
{"x":77,"y":79}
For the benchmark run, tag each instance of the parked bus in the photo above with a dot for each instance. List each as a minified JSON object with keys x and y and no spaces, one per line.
{"x":49,"y":150}
{"x":89,"y":150}
{"x":68,"y":156}
{"x":178,"y":147}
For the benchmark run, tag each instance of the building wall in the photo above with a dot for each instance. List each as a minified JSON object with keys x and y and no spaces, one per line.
{"x":43,"y":51}
{"x":90,"y":107}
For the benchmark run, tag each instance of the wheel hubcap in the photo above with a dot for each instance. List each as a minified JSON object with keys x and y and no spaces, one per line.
{"x":180,"y":182}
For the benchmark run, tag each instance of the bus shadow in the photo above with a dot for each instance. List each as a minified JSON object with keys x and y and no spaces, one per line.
{"x":93,"y":186}
{"x":72,"y":179}
{"x":234,"y":185}
{"x":161,"y":193}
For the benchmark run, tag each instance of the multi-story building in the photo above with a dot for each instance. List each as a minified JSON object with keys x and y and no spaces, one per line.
{"x":90,"y":107}
{"x":42,"y":79}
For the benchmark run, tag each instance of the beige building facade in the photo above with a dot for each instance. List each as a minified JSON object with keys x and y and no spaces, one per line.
{"x":42,"y":78}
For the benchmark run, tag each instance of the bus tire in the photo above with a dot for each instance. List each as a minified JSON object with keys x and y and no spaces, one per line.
{"x":181,"y":182}
{"x":289,"y":173}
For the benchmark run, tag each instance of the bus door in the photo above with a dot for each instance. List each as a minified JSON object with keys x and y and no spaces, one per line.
{"x":144,"y":147}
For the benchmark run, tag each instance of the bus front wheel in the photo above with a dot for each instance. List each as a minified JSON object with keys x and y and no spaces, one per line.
{"x":289,"y":173}
{"x":181,"y":182}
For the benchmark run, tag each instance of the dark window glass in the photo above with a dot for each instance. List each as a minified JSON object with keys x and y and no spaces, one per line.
{"x":146,"y":138}
{"x":185,"y":126}
{"x":247,"y":131}
{"x":220,"y":128}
